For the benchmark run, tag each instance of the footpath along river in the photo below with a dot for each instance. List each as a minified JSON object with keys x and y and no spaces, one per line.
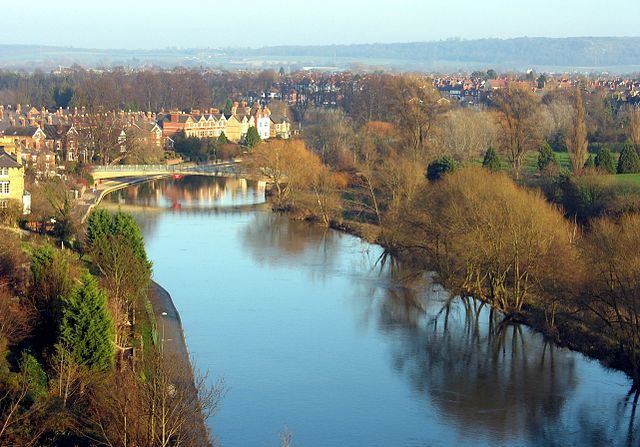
{"x":310,"y":332}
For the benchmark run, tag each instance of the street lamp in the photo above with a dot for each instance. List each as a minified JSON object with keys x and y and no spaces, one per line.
{"x":163,"y":314}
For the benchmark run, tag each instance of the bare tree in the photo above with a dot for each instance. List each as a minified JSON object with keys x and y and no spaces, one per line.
{"x":634,"y":125}
{"x":576,"y":140}
{"x":518,"y":113}
{"x":466,"y":134}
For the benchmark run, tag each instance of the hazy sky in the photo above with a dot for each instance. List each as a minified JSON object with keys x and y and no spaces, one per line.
{"x":137,"y":24}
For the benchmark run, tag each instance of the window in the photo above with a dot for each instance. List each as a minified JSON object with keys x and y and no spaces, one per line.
{"x":4,"y":187}
{"x":4,"y":172}
{"x":4,"y":204}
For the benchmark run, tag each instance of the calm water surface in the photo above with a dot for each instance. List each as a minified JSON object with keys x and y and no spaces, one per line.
{"x":309,"y":331}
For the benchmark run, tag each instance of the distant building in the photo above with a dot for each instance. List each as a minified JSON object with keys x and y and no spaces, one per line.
{"x":12,"y":182}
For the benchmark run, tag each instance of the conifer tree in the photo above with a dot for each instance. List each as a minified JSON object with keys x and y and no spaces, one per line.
{"x":629,"y":161}
{"x":252,"y":138}
{"x":86,"y":330}
{"x":605,"y":161}
{"x":492,"y":160}
{"x":546,"y":157}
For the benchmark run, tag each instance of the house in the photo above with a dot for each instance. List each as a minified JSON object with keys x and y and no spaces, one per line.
{"x":234,"y":128}
{"x":62,"y":139}
{"x":280,"y":127}
{"x":12,"y":181}
{"x":262,"y":120}
{"x":28,"y":136}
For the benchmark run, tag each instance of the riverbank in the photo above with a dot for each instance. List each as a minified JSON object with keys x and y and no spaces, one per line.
{"x":567,"y":331}
{"x":171,"y":338}
{"x":173,"y":346}
{"x":92,"y":197}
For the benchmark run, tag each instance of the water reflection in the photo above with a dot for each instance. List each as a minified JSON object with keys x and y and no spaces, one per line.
{"x":488,"y":377}
{"x":348,"y":339}
{"x":190,"y":193}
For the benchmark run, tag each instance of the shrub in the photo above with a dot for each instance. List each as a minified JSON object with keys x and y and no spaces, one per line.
{"x":440,"y":167}
{"x":492,"y":160}
{"x":605,"y":161}
{"x":629,"y":161}
{"x":546,"y":157}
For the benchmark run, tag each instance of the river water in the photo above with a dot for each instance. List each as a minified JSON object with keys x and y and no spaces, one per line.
{"x":311,"y":332}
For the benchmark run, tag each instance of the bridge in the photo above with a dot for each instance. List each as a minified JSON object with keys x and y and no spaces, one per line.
{"x":227,"y":169}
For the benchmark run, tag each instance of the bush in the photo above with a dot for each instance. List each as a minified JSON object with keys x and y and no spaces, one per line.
{"x":492,"y":160}
{"x":546,"y":157}
{"x":629,"y":161}
{"x":605,"y":161}
{"x":440,"y":167}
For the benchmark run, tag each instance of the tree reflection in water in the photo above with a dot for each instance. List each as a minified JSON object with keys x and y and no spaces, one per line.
{"x":488,"y":376}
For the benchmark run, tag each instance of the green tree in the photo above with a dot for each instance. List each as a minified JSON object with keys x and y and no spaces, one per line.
{"x":86,"y":330}
{"x":222,"y":139}
{"x":629,"y":161}
{"x":228,"y":105}
{"x":492,"y":160}
{"x":440,"y":167}
{"x":491,"y":74}
{"x":590,"y":163}
{"x":34,"y":375}
{"x":605,"y":161}
{"x":546,"y":157}
{"x":99,"y":225}
{"x":253,"y":137}
{"x":50,"y":279}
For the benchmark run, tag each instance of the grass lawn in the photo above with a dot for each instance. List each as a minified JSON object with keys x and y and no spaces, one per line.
{"x":628,"y":179}
{"x":530,"y":165}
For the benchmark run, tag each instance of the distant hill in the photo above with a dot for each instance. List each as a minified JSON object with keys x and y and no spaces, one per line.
{"x":524,"y":51}
{"x":616,"y":54}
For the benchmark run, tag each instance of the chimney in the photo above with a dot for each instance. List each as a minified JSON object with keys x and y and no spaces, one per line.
{"x":12,"y":121}
{"x":60,"y":111}
{"x":49,"y":119}
{"x":19,"y":153}
{"x":18,"y":109}
{"x":23,"y":121}
{"x":1,"y":113}
{"x":174,"y":117}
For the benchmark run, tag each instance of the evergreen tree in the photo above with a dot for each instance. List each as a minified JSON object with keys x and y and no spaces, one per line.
{"x":99,"y":225}
{"x":124,"y":225}
{"x":228,"y":105}
{"x":222,"y":139}
{"x":590,"y":163}
{"x":629,"y":161}
{"x":252,"y":138}
{"x":440,"y":167}
{"x":546,"y":157}
{"x":86,"y":330}
{"x":605,"y":161}
{"x":492,"y":160}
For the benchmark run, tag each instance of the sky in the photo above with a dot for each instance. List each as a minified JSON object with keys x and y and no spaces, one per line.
{"x":142,"y":24}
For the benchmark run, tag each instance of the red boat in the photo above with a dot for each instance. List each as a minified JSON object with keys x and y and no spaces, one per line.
{"x":176,"y":176}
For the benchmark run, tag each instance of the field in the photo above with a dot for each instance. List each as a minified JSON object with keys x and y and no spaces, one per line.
{"x":628,"y":179}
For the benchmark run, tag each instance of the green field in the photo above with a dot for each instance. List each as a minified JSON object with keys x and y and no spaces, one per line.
{"x":628,"y":179}
{"x":530,"y":164}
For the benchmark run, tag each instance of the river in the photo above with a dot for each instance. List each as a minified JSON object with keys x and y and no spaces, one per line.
{"x":311,"y":332}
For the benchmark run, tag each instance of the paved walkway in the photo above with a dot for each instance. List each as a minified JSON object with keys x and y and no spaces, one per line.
{"x":91,"y":198}
{"x":171,"y":337}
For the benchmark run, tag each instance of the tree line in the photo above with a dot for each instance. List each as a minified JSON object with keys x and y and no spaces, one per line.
{"x":80,"y":362}
{"x":454,"y":190}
